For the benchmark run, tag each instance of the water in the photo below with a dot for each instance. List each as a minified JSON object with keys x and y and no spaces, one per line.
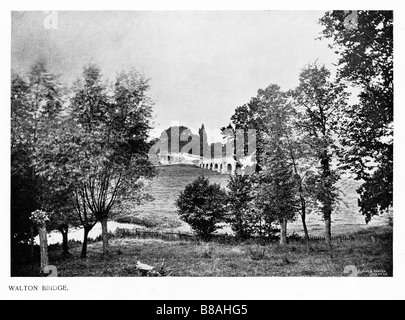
{"x":55,"y":237}
{"x":166,"y":187}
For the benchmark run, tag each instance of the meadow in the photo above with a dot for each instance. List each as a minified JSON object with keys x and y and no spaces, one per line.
{"x":370,"y":252}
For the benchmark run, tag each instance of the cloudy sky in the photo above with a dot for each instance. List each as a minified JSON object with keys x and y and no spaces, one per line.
{"x":201,"y":64}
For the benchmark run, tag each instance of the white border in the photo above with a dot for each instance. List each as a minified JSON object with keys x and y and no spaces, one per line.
{"x":208,"y":288}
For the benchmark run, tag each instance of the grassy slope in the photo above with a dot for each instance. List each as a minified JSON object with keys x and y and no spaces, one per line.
{"x":165,"y":188}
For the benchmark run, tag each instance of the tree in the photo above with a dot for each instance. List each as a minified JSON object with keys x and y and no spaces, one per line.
{"x":276,"y":194}
{"x":202,"y":205}
{"x":247,"y":117}
{"x":39,"y":219}
{"x":23,"y":184}
{"x":278,"y":189}
{"x":302,"y":162}
{"x":203,"y":140}
{"x":365,"y":49}
{"x":103,"y":152}
{"x":319,"y":103}
{"x":180,"y":138}
{"x":239,"y":213}
{"x":56,"y":166}
{"x":59,"y":203}
{"x":273,"y":116}
{"x":36,"y":105}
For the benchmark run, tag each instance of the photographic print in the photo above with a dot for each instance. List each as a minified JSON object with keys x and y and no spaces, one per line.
{"x":201,"y":143}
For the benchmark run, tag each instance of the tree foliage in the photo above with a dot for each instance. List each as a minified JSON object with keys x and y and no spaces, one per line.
{"x":247,"y":117}
{"x":36,"y":105}
{"x":278,"y":192}
{"x":365,"y":50}
{"x":202,"y":205}
{"x":239,"y":215}
{"x":319,"y":104}
{"x":101,"y":150}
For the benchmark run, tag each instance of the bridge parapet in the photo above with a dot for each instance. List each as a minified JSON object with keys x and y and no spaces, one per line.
{"x":225,"y":165}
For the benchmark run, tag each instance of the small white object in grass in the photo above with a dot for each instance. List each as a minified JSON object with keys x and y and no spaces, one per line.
{"x":143,"y":267}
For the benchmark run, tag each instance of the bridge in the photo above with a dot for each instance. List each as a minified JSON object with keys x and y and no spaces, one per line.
{"x":224,"y":165}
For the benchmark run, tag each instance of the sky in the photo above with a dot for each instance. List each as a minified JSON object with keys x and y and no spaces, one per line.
{"x":201,"y":64}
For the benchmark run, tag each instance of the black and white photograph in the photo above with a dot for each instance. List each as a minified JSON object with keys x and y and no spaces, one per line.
{"x":198,"y":145}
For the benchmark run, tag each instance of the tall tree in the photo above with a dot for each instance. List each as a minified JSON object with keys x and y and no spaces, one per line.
{"x":36,"y":105}
{"x":23,"y":195}
{"x":365,"y":49}
{"x":203,"y":141}
{"x":302,"y":161}
{"x":56,"y":165}
{"x":104,"y":151}
{"x":278,"y":194}
{"x":319,"y":103}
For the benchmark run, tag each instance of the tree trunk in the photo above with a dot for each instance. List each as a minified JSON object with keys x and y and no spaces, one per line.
{"x":303,"y":204}
{"x":84,"y":247}
{"x":304,"y":222}
{"x":32,"y":242}
{"x":327,"y":201}
{"x":304,"y":216}
{"x":104,"y":233}
{"x":65,"y":247}
{"x":304,"y":225}
{"x":43,"y":243}
{"x":283,"y":237}
{"x":328,"y":232}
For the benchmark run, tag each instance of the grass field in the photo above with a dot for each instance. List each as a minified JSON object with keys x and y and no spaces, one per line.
{"x":196,"y":259}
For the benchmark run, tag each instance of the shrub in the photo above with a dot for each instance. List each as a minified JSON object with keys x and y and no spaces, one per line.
{"x":240,"y":216}
{"x":202,"y":205}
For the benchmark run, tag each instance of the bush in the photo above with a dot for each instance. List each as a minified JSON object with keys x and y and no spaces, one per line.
{"x":240,"y":216}
{"x":202,"y":205}
{"x":294,"y":237}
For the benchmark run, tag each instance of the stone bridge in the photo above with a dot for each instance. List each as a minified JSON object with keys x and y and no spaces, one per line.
{"x":224,"y":165}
